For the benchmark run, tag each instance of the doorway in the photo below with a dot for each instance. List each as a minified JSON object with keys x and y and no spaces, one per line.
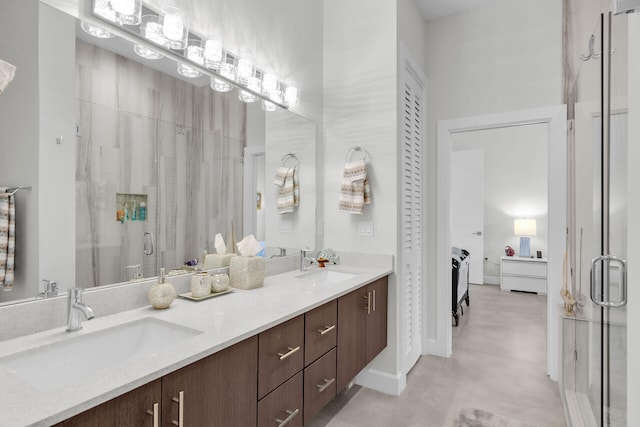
{"x":554,"y":119}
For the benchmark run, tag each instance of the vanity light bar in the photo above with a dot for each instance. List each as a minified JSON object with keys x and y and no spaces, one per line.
{"x":269,"y":88}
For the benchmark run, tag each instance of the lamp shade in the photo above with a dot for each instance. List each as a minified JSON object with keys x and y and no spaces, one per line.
{"x":524,"y":227}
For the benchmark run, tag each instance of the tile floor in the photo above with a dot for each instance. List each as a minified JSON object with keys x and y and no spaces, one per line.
{"x":498,"y":364}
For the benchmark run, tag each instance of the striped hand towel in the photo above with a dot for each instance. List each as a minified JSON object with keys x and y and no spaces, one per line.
{"x":7,"y":238}
{"x":289,"y":191}
{"x":355,"y":191}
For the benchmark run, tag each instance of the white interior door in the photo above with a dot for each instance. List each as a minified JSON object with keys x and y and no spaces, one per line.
{"x":467,"y":208}
{"x":412,"y":257}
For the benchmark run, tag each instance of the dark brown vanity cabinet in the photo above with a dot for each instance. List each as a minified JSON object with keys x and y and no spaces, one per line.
{"x":280,"y":354}
{"x":287,"y":373}
{"x":362,"y":329}
{"x":136,"y":408}
{"x":218,"y":390}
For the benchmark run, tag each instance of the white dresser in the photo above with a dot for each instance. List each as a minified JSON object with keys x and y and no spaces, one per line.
{"x":523,"y":274}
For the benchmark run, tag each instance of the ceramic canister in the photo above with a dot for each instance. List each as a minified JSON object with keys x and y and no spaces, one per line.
{"x":200,"y":285}
{"x":219,"y":282}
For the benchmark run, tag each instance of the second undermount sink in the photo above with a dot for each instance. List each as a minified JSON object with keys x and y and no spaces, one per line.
{"x":55,"y":365}
{"x":325,"y":275}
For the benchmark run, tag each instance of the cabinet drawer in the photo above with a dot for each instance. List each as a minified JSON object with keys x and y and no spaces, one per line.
{"x":280,"y":354}
{"x":525,"y":268}
{"x":528,"y":284}
{"x":320,"y":331}
{"x":282,"y":403}
{"x":319,"y":384}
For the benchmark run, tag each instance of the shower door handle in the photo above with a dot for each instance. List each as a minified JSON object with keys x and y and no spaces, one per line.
{"x":601,"y":298}
{"x":148,"y":243}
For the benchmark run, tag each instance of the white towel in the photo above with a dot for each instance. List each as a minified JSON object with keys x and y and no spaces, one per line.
{"x":7,"y":238}
{"x":7,"y":71}
{"x":355,"y":191}
{"x":289,"y":192}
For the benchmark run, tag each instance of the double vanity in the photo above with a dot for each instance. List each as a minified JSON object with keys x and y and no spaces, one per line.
{"x":269,"y":356}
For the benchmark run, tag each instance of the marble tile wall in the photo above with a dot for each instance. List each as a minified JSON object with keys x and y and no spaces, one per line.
{"x":144,"y":132}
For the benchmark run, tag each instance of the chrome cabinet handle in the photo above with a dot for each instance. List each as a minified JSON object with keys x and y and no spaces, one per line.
{"x":327,"y":383}
{"x":148,"y":243}
{"x":368,"y":306}
{"x":326,"y":329}
{"x":292,"y":415}
{"x":180,"y":402}
{"x":154,"y":414}
{"x":289,"y":353}
{"x":603,"y":300}
{"x":374,"y":300}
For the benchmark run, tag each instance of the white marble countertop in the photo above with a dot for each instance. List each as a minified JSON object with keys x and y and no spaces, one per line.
{"x":224,"y":321}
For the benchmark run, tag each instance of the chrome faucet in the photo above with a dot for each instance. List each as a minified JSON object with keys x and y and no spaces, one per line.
{"x":50,"y":289}
{"x":75,"y":306}
{"x":305,"y":260}
{"x":281,"y":252}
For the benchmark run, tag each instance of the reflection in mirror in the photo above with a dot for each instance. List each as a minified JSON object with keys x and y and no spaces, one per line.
{"x":158,"y":161}
{"x":288,"y":142}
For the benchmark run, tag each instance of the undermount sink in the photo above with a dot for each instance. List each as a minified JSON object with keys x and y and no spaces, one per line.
{"x":326,"y":275}
{"x":55,"y":365}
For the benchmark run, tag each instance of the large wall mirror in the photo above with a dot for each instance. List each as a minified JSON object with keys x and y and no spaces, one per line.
{"x":149,"y":166}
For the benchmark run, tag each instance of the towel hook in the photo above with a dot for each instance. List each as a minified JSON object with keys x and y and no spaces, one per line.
{"x":353,"y":150}
{"x":290,"y":156}
{"x":14,"y":190}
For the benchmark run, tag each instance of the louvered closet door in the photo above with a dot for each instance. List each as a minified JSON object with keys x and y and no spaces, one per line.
{"x":412,"y":257}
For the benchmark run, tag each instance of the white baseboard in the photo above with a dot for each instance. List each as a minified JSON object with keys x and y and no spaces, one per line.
{"x":491,"y":280}
{"x":382,"y":381}
{"x":436,"y":348}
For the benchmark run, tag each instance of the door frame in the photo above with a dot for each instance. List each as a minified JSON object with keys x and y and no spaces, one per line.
{"x":556,"y":119}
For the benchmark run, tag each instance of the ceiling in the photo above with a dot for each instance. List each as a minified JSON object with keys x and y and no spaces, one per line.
{"x":433,"y":9}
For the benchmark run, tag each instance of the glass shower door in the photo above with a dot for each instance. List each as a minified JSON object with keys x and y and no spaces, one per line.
{"x":608,"y":367}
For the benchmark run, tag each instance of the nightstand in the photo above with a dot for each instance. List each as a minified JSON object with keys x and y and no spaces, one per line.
{"x":523,"y":274}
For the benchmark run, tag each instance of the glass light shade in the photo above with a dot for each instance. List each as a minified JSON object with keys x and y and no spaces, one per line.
{"x":275,"y":96}
{"x":226,"y":70}
{"x":195,"y":52}
{"x":145,"y":52}
{"x":269,"y":83}
{"x":268,"y":105}
{"x":104,"y":9}
{"x":175,"y":27}
{"x":128,"y":12}
{"x":96,"y":30}
{"x":213,"y":54}
{"x":524,"y":227}
{"x":245,"y":69}
{"x":291,"y":96}
{"x":253,"y":83}
{"x":188,"y":71}
{"x":151,"y":29}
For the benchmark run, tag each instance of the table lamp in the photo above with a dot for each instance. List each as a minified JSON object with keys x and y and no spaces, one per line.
{"x":525,"y":228}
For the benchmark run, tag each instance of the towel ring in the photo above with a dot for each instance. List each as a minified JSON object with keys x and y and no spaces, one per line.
{"x":355,"y":149}
{"x":290,"y":156}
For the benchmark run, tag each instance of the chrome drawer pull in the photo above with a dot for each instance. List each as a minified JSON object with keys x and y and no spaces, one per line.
{"x":374,"y":300}
{"x":368,"y":306}
{"x":180,"y":402}
{"x":292,"y":415}
{"x":326,"y":329}
{"x":289,"y":353}
{"x":327,"y":383}
{"x":154,"y":414}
